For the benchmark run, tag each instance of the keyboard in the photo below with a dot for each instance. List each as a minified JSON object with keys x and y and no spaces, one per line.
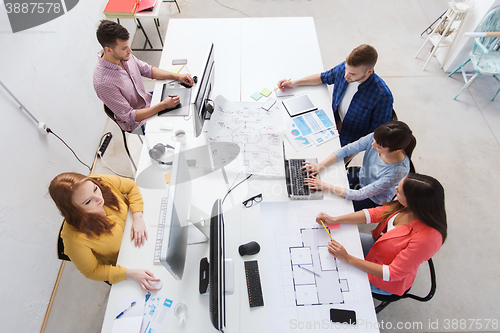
{"x":253,"y":284}
{"x":161,"y":228}
{"x":297,"y":177}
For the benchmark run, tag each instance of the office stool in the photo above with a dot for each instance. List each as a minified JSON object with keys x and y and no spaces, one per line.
{"x":111,"y":115}
{"x":388,"y":299}
{"x":175,"y":3}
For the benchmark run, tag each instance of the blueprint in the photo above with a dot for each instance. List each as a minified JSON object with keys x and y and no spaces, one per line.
{"x":305,"y":294}
{"x":255,"y":130}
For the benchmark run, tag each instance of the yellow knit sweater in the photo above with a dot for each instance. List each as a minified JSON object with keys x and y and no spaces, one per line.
{"x":96,"y":257}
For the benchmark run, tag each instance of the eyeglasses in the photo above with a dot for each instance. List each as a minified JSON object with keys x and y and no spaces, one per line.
{"x":249,"y":202}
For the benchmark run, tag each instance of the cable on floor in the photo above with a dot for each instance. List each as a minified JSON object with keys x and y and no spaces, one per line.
{"x":232,"y":8}
{"x":57,"y":136}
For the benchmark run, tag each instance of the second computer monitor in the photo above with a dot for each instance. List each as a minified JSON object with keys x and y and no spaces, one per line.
{"x":201,"y":103}
{"x":174,"y":246}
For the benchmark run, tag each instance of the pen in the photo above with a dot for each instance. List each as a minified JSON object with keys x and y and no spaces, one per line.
{"x":130,"y":306}
{"x":309,"y":271}
{"x":326,"y":229}
{"x":280,"y":85}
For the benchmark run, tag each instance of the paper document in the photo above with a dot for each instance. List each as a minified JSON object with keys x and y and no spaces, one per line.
{"x":255,"y":130}
{"x":311,"y":128}
{"x":131,"y":320}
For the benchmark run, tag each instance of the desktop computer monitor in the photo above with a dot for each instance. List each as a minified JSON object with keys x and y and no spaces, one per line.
{"x":173,"y":248}
{"x":202,"y":108}
{"x":217,"y":271}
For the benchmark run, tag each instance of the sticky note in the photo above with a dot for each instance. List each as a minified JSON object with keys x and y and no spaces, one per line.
{"x":266,"y":92}
{"x":256,"y":96}
{"x":333,"y":226}
{"x":167,"y":178}
{"x":174,"y":70}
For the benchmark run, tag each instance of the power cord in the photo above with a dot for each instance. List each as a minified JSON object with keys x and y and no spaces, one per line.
{"x":108,"y":167}
{"x":232,"y":188}
{"x":102,"y":149}
{"x":57,"y":136}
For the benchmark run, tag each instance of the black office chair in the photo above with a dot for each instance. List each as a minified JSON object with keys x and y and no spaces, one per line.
{"x":111,"y":115}
{"x":60,"y":246}
{"x":394,"y":115}
{"x":388,"y":299}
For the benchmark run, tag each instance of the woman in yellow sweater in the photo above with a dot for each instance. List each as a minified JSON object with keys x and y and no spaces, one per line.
{"x":95,"y":210}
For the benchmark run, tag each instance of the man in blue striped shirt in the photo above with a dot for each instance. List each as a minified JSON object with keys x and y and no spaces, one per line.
{"x":361,"y":100}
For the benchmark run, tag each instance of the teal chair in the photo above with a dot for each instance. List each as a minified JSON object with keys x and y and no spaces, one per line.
{"x":485,"y":54}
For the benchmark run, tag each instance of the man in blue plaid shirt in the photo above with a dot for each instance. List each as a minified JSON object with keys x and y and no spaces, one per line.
{"x":361,"y":100}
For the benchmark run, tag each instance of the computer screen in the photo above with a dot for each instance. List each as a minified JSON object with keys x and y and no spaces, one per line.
{"x":217,"y":299}
{"x":173,"y":249}
{"x":204,"y":91}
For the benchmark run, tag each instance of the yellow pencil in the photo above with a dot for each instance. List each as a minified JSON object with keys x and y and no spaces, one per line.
{"x":326,"y":229}
{"x":280,"y":86}
{"x":180,"y":69}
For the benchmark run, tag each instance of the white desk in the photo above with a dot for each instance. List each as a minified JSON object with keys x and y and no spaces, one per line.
{"x":249,"y":56}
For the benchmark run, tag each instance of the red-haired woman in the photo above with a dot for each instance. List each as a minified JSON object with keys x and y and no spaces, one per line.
{"x":95,"y":210}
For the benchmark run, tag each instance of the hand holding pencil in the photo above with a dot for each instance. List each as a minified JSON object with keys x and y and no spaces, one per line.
{"x":284,"y":84}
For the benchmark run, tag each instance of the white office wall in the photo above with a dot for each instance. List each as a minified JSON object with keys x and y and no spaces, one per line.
{"x":49,"y":68}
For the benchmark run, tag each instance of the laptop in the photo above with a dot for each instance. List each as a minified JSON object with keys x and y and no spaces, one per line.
{"x":294,"y":177}
{"x":175,"y":88}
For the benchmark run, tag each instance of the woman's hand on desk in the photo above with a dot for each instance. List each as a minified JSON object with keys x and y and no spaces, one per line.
{"x":138,"y":232}
{"x":327,"y":219}
{"x":338,"y":251}
{"x":142,"y":277}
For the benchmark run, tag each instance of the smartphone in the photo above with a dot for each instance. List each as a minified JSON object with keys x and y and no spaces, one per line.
{"x":343,"y":316}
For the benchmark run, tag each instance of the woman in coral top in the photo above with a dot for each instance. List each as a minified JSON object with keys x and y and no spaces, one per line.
{"x":410,"y":231}
{"x":95,"y":211}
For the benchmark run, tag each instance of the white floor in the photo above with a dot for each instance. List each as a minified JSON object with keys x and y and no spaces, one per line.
{"x":458,"y":143}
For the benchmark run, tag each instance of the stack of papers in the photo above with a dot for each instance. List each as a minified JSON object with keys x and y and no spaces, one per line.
{"x":313,"y":128}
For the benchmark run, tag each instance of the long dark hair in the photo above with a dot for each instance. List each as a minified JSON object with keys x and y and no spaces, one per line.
{"x":425,"y":197}
{"x":62,"y":188}
{"x":395,"y":135}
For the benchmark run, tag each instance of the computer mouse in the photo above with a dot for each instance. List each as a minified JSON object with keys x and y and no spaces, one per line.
{"x":156,"y":284}
{"x":249,"y":249}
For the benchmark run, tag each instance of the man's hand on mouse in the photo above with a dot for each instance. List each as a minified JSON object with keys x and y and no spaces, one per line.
{"x":186,"y":79}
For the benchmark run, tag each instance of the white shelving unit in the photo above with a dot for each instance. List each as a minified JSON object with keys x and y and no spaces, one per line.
{"x":453,"y":19}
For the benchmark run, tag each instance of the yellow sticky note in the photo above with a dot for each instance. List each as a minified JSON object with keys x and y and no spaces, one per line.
{"x":167,"y":178}
{"x":174,"y":70}
{"x":266,"y":92}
